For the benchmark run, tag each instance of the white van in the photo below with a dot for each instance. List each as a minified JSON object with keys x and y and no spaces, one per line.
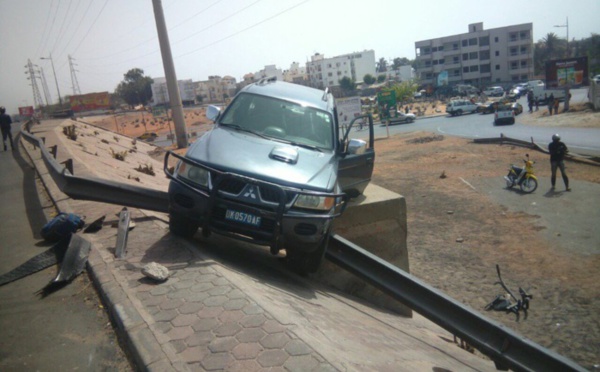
{"x":460,"y":106}
{"x":535,"y":83}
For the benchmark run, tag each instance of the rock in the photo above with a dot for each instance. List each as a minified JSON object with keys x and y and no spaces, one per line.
{"x":156,"y":271}
{"x":459,"y":240}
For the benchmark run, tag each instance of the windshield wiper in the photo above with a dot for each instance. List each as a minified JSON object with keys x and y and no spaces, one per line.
{"x":241,"y":129}
{"x":303,"y":145}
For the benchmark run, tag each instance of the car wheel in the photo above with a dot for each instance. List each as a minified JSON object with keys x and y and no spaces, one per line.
{"x":308,"y":262}
{"x":182,"y":226}
{"x":459,"y":112}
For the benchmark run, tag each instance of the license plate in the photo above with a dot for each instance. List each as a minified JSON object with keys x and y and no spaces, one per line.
{"x":242,"y":217}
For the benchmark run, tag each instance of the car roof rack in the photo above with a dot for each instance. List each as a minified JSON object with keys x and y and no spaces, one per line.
{"x":267,"y":80}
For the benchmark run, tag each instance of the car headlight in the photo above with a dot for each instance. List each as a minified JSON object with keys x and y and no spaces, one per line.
{"x":193,"y":174}
{"x":322,"y":203}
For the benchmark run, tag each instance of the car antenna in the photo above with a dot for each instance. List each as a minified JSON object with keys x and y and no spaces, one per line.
{"x":266,"y":80}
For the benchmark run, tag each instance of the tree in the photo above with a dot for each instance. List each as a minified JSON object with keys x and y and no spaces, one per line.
{"x":380,"y":78}
{"x":347,"y":84}
{"x":382,"y":65}
{"x":398,"y":62}
{"x":135,"y":89}
{"x":404,"y":91}
{"x":369,"y":79}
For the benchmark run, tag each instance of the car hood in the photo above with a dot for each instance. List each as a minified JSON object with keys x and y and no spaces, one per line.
{"x":265,"y":159}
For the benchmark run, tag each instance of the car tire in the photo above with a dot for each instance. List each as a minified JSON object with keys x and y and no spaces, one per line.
{"x":182,"y":226}
{"x":459,"y":112}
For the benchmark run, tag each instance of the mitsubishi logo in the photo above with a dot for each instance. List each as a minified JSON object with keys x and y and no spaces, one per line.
{"x":250,"y":192}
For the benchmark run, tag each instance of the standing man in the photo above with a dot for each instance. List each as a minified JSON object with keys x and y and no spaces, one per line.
{"x":5,"y":122}
{"x":558,"y":150}
{"x":550,"y":103}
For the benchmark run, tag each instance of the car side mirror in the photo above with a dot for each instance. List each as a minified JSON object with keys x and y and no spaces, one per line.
{"x":212,"y":112}
{"x":357,"y":146}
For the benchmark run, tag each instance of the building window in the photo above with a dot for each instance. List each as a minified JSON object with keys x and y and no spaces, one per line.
{"x":473,"y":68}
{"x":455,"y":73}
{"x":330,"y":74}
{"x":523,"y":35}
{"x":484,"y":41}
{"x":513,"y":65}
{"x":465,"y":43}
{"x":524,"y":64}
{"x":455,"y":60}
{"x":441,"y":49}
{"x":455,"y":46}
{"x":497,"y":67}
{"x":484,"y":55}
{"x":485,"y":68}
{"x":513,"y":51}
{"x":496,"y":39}
{"x":427,"y":63}
{"x":473,"y":41}
{"x":512,"y":36}
{"x":435,"y":62}
{"x":473,"y":55}
{"x":442,"y":61}
{"x":434,"y":49}
{"x":497,"y":53}
{"x":465,"y":69}
{"x":523,"y":50}
{"x":465,"y":56}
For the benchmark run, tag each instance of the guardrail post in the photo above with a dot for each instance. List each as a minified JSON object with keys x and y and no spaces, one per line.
{"x":69,"y":165}
{"x":53,"y":150}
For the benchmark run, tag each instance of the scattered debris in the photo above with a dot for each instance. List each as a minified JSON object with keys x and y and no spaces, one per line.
{"x":503,"y":302}
{"x":443,"y":175}
{"x":426,"y":139}
{"x":156,"y":272}
{"x":146,"y":169}
{"x":119,"y":155}
{"x":71,"y":132}
{"x":460,"y":240}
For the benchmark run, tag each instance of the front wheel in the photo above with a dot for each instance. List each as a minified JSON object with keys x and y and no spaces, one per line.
{"x":529,"y":185}
{"x":307,"y":262}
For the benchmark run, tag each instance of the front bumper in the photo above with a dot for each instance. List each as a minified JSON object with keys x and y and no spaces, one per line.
{"x":269,"y":220}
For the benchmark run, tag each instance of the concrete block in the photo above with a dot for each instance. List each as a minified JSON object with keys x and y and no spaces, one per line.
{"x":375,"y":221}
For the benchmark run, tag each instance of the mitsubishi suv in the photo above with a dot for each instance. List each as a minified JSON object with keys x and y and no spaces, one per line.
{"x":276,"y":169}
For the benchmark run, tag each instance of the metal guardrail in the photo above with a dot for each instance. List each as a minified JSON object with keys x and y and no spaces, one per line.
{"x":506,"y":348}
{"x":97,"y":189}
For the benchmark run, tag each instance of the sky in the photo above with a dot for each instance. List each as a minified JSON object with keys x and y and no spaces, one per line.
{"x":107,"y":38}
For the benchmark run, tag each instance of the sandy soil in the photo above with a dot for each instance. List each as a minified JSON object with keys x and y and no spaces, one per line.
{"x":456,"y":236}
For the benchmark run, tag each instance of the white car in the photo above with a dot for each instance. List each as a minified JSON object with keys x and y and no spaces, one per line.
{"x":401,"y":117}
{"x":496,"y":91}
{"x":504,"y":115}
{"x":461,"y":106}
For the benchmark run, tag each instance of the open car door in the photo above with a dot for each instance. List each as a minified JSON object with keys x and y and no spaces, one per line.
{"x":358,"y":157}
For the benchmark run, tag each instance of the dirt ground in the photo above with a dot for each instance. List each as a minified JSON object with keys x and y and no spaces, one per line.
{"x":457,"y":236}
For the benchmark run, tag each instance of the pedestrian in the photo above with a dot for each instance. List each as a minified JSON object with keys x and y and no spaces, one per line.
{"x":530,"y":100}
{"x":5,"y":123}
{"x":556,"y":103}
{"x":550,"y":103}
{"x":537,"y":103}
{"x":567,"y":100}
{"x":406,"y":109}
{"x":558,"y":150}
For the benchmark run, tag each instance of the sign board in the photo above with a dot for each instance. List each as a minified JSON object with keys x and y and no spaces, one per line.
{"x":442,"y":78}
{"x":90,"y":102}
{"x":347,"y":109}
{"x":26,"y":111}
{"x":387,"y":103}
{"x":567,"y":73}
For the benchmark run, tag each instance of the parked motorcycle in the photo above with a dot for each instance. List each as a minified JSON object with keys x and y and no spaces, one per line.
{"x":523,"y":177}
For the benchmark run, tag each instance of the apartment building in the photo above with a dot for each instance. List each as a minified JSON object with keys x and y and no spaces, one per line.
{"x":216,"y":88}
{"x":479,"y":57}
{"x":327,"y":72}
{"x":160,"y":92}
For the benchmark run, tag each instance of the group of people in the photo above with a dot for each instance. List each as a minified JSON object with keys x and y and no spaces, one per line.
{"x":5,"y":124}
{"x":553,"y":103}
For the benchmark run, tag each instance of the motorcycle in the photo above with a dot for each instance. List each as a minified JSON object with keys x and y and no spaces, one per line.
{"x":524,"y":177}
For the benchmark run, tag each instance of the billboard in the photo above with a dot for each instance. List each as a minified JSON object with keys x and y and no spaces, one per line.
{"x":348,"y":109}
{"x":567,"y":73}
{"x":90,"y":102}
{"x":26,"y":111}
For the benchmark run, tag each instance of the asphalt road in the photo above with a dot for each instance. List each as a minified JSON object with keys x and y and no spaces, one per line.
{"x":67,"y":330}
{"x":584,"y":141}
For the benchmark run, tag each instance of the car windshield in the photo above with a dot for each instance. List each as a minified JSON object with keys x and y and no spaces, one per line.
{"x":282,"y":120}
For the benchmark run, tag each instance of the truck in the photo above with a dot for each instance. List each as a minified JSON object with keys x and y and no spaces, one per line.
{"x":541,"y":93}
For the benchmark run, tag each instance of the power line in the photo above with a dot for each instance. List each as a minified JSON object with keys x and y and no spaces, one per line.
{"x":77,"y":28}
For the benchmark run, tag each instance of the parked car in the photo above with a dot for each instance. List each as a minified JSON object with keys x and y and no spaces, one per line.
{"x":402,"y":117}
{"x":487,"y":108}
{"x":275,"y":170}
{"x":504,"y":115}
{"x":460,"y":106}
{"x":148,"y":136}
{"x":496,"y":91}
{"x":517,"y":108}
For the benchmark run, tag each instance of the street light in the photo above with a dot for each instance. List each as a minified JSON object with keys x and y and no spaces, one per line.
{"x":55,"y":79}
{"x":567,"y":26}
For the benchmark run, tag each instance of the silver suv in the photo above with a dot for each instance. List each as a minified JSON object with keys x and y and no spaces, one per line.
{"x":460,"y":106}
{"x":275,"y":170}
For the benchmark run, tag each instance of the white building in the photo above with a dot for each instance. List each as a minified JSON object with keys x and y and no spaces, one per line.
{"x":296,"y":74}
{"x":160,"y":92}
{"x":216,"y":88}
{"x":404,"y":73}
{"x":479,"y":57}
{"x":325,"y":72}
{"x":268,"y":71}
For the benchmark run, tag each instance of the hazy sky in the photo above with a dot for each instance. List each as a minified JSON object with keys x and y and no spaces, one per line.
{"x":106,"y":38}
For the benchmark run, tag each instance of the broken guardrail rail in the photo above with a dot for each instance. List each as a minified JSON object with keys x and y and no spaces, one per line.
{"x":506,"y":348}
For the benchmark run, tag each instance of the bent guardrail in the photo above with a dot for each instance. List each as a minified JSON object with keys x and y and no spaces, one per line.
{"x":506,"y":348}
{"x":97,"y":189}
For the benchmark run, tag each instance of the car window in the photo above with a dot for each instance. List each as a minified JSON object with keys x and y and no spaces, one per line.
{"x":279,"y":119}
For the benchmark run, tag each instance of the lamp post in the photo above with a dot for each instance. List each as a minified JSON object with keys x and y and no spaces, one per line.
{"x":55,"y":79}
{"x":567,"y":26}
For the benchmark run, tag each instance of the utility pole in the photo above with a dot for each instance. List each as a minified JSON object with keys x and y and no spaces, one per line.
{"x":44,"y":86}
{"x":37,"y":97}
{"x":74,"y":82}
{"x":173,"y":89}
{"x":55,"y":79}
{"x":567,"y":26}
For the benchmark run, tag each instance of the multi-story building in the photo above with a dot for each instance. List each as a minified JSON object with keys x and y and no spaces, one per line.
{"x":479,"y":57}
{"x":216,"y":88}
{"x":327,"y":72}
{"x":160,"y":92}
{"x":296,"y":74}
